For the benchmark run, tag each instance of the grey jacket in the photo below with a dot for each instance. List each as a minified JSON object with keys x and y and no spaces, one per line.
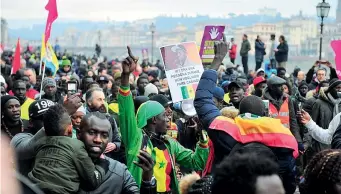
{"x":117,"y":180}
{"x":245,"y":48}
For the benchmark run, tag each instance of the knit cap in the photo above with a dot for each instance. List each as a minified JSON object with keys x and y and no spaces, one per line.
{"x":48,"y":82}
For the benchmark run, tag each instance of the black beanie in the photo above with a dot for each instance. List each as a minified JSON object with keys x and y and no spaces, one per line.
{"x":303,"y":83}
{"x":252,"y":104}
{"x":5,"y":99}
{"x":139,"y":100}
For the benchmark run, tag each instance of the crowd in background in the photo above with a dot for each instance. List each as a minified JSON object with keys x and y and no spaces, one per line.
{"x":101,"y":125}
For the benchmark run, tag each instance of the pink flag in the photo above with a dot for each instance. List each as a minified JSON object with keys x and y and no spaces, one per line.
{"x":16,"y":60}
{"x":51,"y":7}
{"x":336,"y":45}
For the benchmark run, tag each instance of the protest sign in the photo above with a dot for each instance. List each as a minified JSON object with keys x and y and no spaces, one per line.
{"x":144,"y":53}
{"x":336,"y":46}
{"x":183,"y":69}
{"x":211,"y":34}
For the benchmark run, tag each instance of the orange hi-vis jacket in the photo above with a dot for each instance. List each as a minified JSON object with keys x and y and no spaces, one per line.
{"x":282,"y":114}
{"x":265,"y":130}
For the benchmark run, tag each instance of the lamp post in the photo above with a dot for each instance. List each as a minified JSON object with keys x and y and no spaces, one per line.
{"x":322,"y":12}
{"x":152,"y":29}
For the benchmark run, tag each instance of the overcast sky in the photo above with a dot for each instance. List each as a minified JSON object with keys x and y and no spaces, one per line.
{"x":138,"y":9}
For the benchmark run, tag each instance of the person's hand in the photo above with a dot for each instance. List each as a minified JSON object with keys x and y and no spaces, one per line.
{"x":72,"y":103}
{"x":129,"y":64}
{"x":328,"y":64}
{"x":221,"y":48}
{"x":110,"y":147}
{"x":276,"y":50}
{"x":146,"y":163}
{"x":304,"y":116}
{"x":316,"y":64}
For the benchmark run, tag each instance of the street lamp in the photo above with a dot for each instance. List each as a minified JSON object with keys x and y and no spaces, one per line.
{"x":152,"y":29}
{"x":322,"y":12}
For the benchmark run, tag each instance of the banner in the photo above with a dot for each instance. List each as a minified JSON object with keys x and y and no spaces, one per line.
{"x":183,"y":69}
{"x":51,"y":7}
{"x":211,"y":34}
{"x":336,"y":46}
{"x":16,"y":60}
{"x":144,"y":53}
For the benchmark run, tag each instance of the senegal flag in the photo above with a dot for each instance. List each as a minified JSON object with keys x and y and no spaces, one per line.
{"x":188,"y":92}
{"x":162,"y":170}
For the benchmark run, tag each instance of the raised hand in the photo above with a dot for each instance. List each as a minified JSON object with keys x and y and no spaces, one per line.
{"x":214,"y":33}
{"x":220,"y":51}
{"x":129,"y":63}
{"x":304,"y":116}
{"x":146,"y":163}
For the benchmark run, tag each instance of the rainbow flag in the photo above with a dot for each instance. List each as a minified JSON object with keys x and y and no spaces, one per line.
{"x":188,"y":92}
{"x":162,"y":170}
{"x":49,"y":57}
{"x":265,"y":130}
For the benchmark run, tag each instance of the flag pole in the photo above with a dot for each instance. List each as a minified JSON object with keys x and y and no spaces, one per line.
{"x":41,"y":63}
{"x":41,"y":84}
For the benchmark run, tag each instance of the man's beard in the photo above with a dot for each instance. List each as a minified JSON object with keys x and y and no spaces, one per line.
{"x":101,"y":109}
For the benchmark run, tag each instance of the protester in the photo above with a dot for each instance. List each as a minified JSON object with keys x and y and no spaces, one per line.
{"x":325,"y":109}
{"x":223,"y":132}
{"x":244,"y":50}
{"x":272,"y":51}
{"x":259,"y":52}
{"x":281,"y":52}
{"x":150,"y":90}
{"x":61,"y":162}
{"x":322,"y":174}
{"x":233,"y":51}
{"x":281,"y":106}
{"x":260,"y":84}
{"x":11,"y":124}
{"x":141,"y":83}
{"x":320,"y":74}
{"x":19,"y":91}
{"x":76,"y":119}
{"x":51,"y":92}
{"x":247,"y":173}
{"x":230,"y":73}
{"x":236,"y":93}
{"x":147,"y":131}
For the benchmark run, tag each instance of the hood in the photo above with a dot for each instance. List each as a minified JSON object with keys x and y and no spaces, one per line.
{"x":323,"y":94}
{"x":187,"y":181}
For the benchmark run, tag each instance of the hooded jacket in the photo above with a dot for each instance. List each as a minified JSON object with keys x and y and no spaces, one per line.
{"x":294,"y":128}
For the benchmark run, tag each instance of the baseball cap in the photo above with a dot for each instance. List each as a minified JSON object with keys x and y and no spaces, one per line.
{"x":102,"y":78}
{"x":235,"y":84}
{"x":162,"y":99}
{"x":39,"y":107}
{"x":258,"y":80}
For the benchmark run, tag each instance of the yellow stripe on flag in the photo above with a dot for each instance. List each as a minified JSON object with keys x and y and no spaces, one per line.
{"x":160,"y":170}
{"x":191,"y":91}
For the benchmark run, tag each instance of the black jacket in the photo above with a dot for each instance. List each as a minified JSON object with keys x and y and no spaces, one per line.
{"x":313,"y":83}
{"x":322,"y":115}
{"x":282,"y":54}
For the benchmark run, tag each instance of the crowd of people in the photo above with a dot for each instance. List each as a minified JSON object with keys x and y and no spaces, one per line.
{"x":101,"y":126}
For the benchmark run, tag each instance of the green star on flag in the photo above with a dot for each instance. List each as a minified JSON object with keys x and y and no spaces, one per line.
{"x":162,"y":164}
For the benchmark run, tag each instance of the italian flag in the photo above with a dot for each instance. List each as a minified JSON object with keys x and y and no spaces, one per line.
{"x":188,"y":92}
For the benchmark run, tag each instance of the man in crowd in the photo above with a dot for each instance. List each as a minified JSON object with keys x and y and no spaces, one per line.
{"x":147,"y":131}
{"x":19,"y":91}
{"x":103,"y":83}
{"x":51,"y":92}
{"x":233,"y":51}
{"x":10,"y":116}
{"x":281,"y":52}
{"x":281,"y":106}
{"x":142,"y":81}
{"x":320,"y":74}
{"x":244,"y":50}
{"x":325,"y":109}
{"x":260,"y":84}
{"x":236,"y":93}
{"x":95,"y":101}
{"x":272,"y":51}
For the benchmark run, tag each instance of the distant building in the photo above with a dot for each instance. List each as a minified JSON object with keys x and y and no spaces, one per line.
{"x":4,"y":32}
{"x":268,"y":12}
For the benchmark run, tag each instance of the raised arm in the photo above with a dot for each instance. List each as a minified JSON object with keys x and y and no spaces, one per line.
{"x":203,"y":102}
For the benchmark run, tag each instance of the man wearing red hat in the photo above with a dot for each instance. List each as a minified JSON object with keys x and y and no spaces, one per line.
{"x":260,"y":84}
